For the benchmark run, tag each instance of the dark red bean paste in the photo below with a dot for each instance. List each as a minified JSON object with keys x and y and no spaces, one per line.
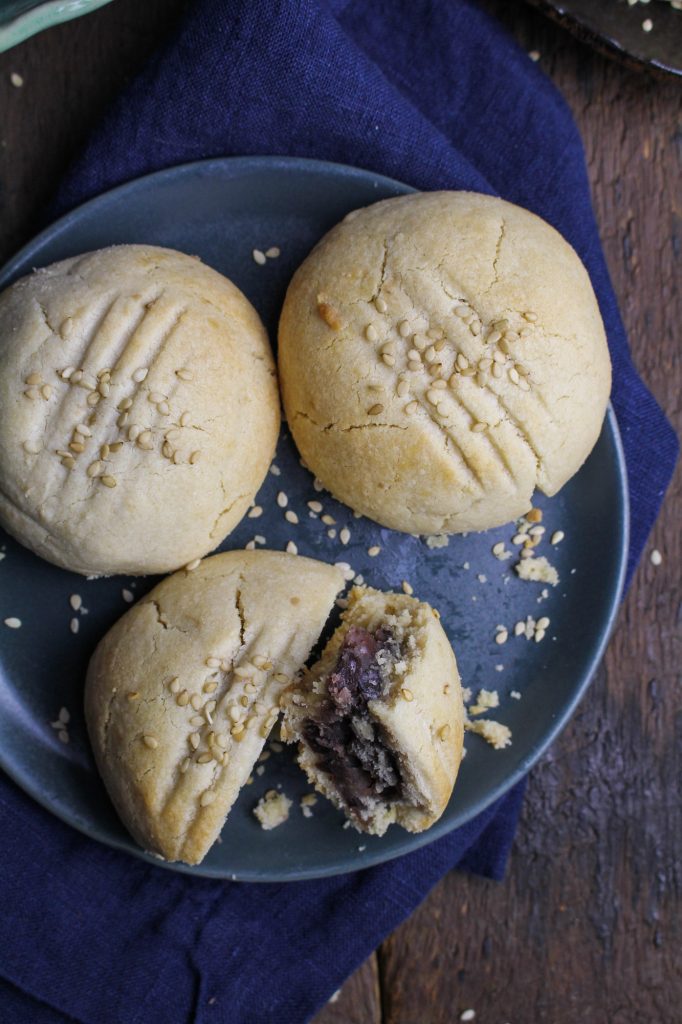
{"x":345,"y":738}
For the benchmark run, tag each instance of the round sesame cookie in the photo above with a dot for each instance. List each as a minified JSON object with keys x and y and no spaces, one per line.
{"x":183,"y":691}
{"x":441,"y":355}
{"x":138,"y":410}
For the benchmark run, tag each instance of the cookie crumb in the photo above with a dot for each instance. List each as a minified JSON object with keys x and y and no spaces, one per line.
{"x":496,"y":734}
{"x":515,"y":695}
{"x":437,"y":540}
{"x":272,"y":809}
{"x":537,"y":570}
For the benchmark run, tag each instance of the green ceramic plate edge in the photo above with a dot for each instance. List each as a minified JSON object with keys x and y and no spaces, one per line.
{"x":43,"y":16}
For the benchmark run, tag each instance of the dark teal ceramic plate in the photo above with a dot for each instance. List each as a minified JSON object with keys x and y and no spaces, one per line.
{"x":20,"y":19}
{"x":222,"y":210}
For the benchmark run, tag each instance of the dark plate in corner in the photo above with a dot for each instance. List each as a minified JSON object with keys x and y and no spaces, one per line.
{"x":229,"y":207}
{"x":615,"y":28}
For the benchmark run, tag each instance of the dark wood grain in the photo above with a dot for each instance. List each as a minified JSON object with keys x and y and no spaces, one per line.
{"x":588,"y":925}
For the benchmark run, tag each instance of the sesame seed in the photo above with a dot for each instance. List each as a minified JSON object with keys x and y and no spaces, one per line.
{"x":499,"y":356}
{"x":461,"y":311}
{"x":75,"y":601}
{"x":647,"y":25}
{"x":95,"y":468}
{"x":430,"y":354}
{"x":167,"y":450}
{"x":282,"y":500}
{"x":13,"y":623}
{"x":273,"y":252}
{"x":411,"y":407}
{"x":77,"y":446}
{"x":194,"y":740}
{"x":414,"y":356}
{"x":31,"y":393}
{"x":140,"y":375}
{"x":291,"y":517}
{"x":185,"y":765}
{"x":498,"y":548}
{"x":64,"y":716}
{"x":419,"y":343}
{"x":194,"y":564}
{"x":150,"y":741}
{"x":32,"y":448}
{"x":388,"y":359}
{"x":104,"y":388}
{"x":444,"y":732}
{"x":33,"y":378}
{"x":260,"y":661}
{"x":501,"y":636}
{"x":174,"y":685}
{"x":530,"y":317}
{"x":404,"y":328}
{"x":656,"y":557}
{"x":407,"y":694}
{"x":374,"y":551}
{"x":125,"y":404}
{"x":16,"y":80}
{"x":184,"y":374}
{"x":184,"y":419}
{"x":402,"y":388}
{"x":163,"y":408}
{"x":259,"y":257}
{"x":331,"y":533}
{"x":108,"y":481}
{"x":371,"y":333}
{"x":291,"y":548}
{"x":557,"y":537}
{"x":74,"y":625}
{"x":407,"y":588}
{"x":145,"y":440}
{"x":204,"y":758}
{"x":497,"y":370}
{"x":194,"y":458}
{"x":467,"y":1015}
{"x":315,"y":506}
{"x":539,"y":635}
{"x":542,"y":623}
{"x":182,"y":699}
{"x":344,"y":535}
{"x":475,"y":327}
{"x":514,"y":375}
{"x":63,"y":736}
{"x":210,"y":686}
{"x":439,"y":385}
{"x":255,"y":512}
{"x":133,"y":695}
{"x":68,"y":461}
{"x":433,"y":397}
{"x":478,"y":428}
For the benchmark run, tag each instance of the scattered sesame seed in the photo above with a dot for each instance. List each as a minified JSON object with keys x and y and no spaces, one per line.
{"x":204,"y":758}
{"x":75,"y":601}
{"x":315,"y":506}
{"x":542,"y":623}
{"x":74,"y":625}
{"x":12,"y":622}
{"x":16,"y":80}
{"x":534,"y":55}
{"x":501,"y":636}
{"x":656,"y":557}
{"x":411,"y":407}
{"x":291,"y":517}
{"x":539,"y":635}
{"x":373,"y":551}
{"x":557,"y":537}
{"x":291,"y":548}
{"x":259,"y":257}
{"x":63,"y":736}
{"x":77,"y":446}
{"x":519,"y":628}
{"x":194,"y":564}
{"x":282,"y":500}
{"x":273,"y":252}
{"x":530,"y":317}
{"x":344,"y":535}
{"x":467,"y":1015}
{"x":479,"y":428}
{"x":407,"y":588}
{"x":388,"y":359}
{"x":407,"y":694}
{"x":331,"y":533}
{"x":647,"y":25}
{"x":184,"y":374}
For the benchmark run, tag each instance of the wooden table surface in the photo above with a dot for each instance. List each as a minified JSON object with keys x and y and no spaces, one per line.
{"x":587,"y":925}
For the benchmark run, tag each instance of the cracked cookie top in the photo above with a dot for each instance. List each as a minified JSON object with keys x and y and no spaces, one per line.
{"x":138,"y":410}
{"x":441,"y":355}
{"x":184,"y":689}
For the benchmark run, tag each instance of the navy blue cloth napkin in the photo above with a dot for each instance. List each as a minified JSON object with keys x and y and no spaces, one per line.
{"x":428,"y":91}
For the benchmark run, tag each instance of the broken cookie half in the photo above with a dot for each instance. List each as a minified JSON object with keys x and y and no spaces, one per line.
{"x":379,"y":718}
{"x":183,"y":691}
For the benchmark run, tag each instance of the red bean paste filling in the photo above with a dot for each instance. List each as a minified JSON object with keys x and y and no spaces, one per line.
{"x":343,"y":735}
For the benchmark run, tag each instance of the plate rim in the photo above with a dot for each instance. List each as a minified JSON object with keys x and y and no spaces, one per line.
{"x":442,"y":827}
{"x":42,"y":16}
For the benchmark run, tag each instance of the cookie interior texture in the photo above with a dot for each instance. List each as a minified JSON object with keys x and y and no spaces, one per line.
{"x":183,"y":691}
{"x":441,"y":355}
{"x":379,"y":718}
{"x":139,"y":410}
